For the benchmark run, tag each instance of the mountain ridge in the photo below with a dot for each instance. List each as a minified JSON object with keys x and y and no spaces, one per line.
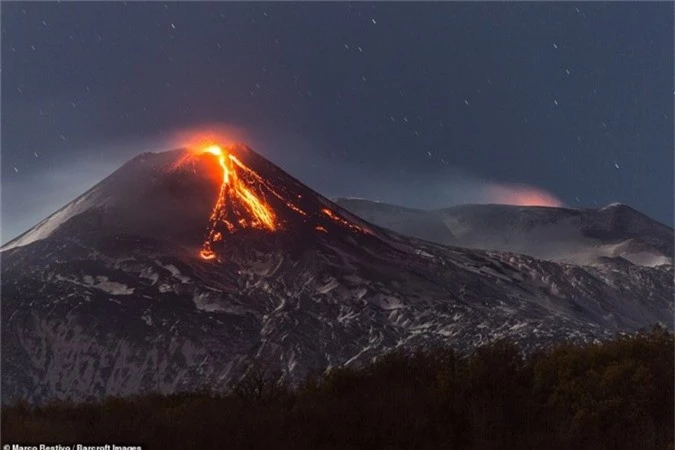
{"x":584,"y":236}
{"x":107,"y":304}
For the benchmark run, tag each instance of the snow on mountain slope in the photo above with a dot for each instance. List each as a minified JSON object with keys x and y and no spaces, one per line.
{"x":573,"y":236}
{"x":116,"y":299}
{"x":145,"y":195}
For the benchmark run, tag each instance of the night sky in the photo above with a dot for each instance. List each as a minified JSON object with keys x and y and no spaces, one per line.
{"x":418,"y":104}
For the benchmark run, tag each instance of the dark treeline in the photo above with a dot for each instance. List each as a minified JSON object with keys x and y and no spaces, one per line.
{"x":614,"y":395}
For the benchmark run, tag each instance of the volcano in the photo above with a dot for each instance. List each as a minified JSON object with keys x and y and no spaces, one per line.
{"x":182,"y":267}
{"x":178,"y":195}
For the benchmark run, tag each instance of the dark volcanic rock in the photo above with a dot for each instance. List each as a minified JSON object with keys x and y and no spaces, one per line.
{"x":110,"y":296}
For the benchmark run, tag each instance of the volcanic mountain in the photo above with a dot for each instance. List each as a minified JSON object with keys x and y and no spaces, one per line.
{"x":180,"y":268}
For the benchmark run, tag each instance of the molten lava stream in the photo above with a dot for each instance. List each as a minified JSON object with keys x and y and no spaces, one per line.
{"x":233,"y":195}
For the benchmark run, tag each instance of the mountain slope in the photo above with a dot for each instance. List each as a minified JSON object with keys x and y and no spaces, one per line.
{"x":176,"y":270}
{"x":573,"y":236}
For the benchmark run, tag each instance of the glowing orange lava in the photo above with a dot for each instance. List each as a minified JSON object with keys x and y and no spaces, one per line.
{"x":342,"y":221}
{"x":233,"y":195}
{"x":207,"y":254}
{"x":242,"y":202}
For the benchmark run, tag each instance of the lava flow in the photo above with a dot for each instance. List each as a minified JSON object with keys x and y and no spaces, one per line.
{"x":237,"y":206}
{"x":341,"y":221}
{"x":242,"y":204}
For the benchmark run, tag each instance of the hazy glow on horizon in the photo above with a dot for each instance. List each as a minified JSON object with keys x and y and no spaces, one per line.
{"x":521,"y":195}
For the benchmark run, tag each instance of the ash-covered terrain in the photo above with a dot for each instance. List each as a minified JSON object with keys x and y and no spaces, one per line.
{"x":178,"y":270}
{"x":575,"y":236}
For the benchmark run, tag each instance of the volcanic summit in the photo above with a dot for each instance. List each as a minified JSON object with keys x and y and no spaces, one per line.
{"x":195,"y":197}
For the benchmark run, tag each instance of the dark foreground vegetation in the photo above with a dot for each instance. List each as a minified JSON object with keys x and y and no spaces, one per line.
{"x":615,"y":395}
